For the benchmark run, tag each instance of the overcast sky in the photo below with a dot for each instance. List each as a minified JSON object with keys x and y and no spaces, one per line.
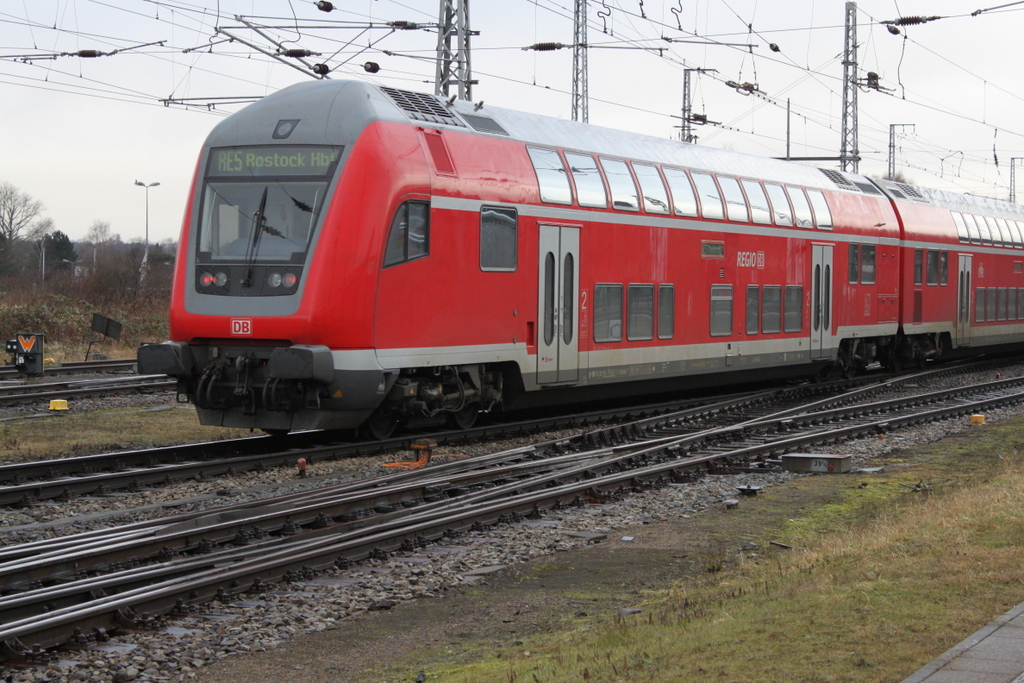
{"x":78,"y":132}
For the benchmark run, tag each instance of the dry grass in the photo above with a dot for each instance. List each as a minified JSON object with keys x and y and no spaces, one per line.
{"x":885,"y":580}
{"x":85,"y":433}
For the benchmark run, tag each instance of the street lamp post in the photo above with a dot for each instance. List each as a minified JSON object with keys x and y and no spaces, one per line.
{"x":141,"y":184}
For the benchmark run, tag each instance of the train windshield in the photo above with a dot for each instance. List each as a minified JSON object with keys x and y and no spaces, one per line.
{"x":262,"y":204}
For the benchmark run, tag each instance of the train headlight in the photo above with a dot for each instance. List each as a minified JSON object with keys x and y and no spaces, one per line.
{"x":207,"y":279}
{"x":290,"y":279}
{"x":221,"y":279}
{"x":274,"y":279}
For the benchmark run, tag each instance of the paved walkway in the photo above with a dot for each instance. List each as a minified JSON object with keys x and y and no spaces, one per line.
{"x":994,"y":654}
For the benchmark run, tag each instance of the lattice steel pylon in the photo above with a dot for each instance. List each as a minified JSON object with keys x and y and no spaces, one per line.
{"x":849,"y":154}
{"x":580,"y":96}
{"x":453,"y":64}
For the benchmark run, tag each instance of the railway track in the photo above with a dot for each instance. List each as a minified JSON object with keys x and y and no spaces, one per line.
{"x":77,"y":588}
{"x":65,"y":478}
{"x":75,"y":368}
{"x":25,"y":393}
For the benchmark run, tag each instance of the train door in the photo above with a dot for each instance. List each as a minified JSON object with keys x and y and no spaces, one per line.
{"x":821,"y":301}
{"x":963,"y":301}
{"x":558,"y":294}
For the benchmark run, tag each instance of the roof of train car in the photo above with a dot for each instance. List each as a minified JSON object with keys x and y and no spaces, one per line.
{"x":363,"y":103}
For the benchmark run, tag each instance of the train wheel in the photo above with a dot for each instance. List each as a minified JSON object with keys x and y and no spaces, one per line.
{"x":465,"y":418}
{"x":380,"y":426}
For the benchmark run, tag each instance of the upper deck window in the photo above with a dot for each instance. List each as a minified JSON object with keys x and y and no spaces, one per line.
{"x":589,"y":185}
{"x":972,"y":228}
{"x":822,"y":215}
{"x":1004,"y":230}
{"x":780,"y":205}
{"x":801,"y":208}
{"x":684,"y":201}
{"x":652,"y":188}
{"x":759,"y":210}
{"x":961,"y":227}
{"x":710,"y":198}
{"x":735,"y":202}
{"x":551,"y":176}
{"x":993,"y":228}
{"x":1015,"y":235}
{"x":620,"y":180}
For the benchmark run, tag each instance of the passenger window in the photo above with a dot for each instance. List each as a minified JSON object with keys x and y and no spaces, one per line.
{"x":986,"y":236}
{"x":620,"y":180}
{"x":1001,"y":304}
{"x":933,"y":267}
{"x":498,"y":239}
{"x":961,"y":227}
{"x":822,"y":215}
{"x":1015,"y":233}
{"x":1011,"y":304}
{"x":1020,"y":304}
{"x":640,"y":312}
{"x":1004,"y":230}
{"x":721,"y":310}
{"x":780,"y":205}
{"x":800,"y":207}
{"x":972,"y":228}
{"x":979,"y":305}
{"x":853,"y":264}
{"x":589,"y":185}
{"x":997,"y":238}
{"x":710,"y":199}
{"x":753,"y":303}
{"x":943,"y":268}
{"x":735,"y":203}
{"x":759,"y":211}
{"x":990,"y":304}
{"x":551,"y":176}
{"x":652,"y":188}
{"x":683,"y":199}
{"x":918,"y":267}
{"x":794,"y":308}
{"x":771,"y":309}
{"x":867,"y":264}
{"x":409,"y":237}
{"x":607,"y":313}
{"x":666,"y":312}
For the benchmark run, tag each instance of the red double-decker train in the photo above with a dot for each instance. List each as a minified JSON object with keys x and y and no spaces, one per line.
{"x":361,"y":255}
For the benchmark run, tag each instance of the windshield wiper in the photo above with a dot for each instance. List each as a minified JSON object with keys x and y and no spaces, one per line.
{"x":258,"y":220}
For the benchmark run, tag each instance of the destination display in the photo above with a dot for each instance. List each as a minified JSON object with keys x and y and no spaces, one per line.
{"x":272,"y":160}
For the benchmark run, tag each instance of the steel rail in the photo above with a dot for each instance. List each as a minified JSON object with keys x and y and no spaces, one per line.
{"x":63,"y":390}
{"x":75,"y":367}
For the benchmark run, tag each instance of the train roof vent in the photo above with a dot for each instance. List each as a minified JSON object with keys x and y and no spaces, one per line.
{"x":868,"y":188}
{"x":839,"y":179}
{"x":896,"y":193}
{"x":484,"y":124}
{"x":422,"y":107}
{"x":910,"y":191}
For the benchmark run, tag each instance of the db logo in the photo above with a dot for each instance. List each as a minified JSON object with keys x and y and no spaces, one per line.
{"x":241,"y":326}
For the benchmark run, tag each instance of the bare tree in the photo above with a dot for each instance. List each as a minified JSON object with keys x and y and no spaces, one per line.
{"x":17,"y":211}
{"x":99,"y":232}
